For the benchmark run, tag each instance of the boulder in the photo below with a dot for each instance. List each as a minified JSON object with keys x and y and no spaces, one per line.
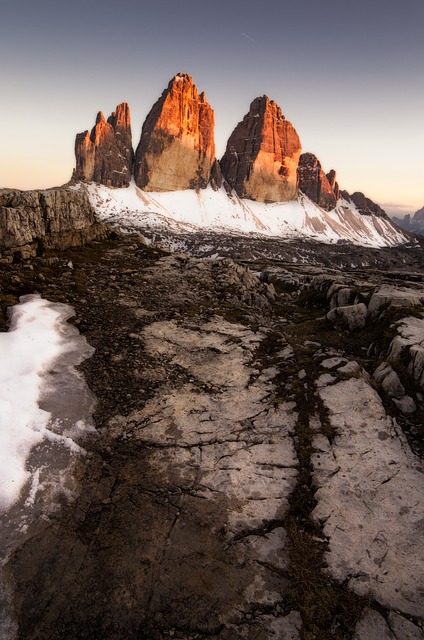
{"x":262,"y":155}
{"x":351,"y":317}
{"x":177,"y":148}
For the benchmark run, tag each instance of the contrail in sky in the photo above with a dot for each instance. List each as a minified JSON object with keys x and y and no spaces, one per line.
{"x":249,"y":38}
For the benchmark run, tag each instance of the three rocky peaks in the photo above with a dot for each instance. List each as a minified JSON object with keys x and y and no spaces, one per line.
{"x":262,"y":161}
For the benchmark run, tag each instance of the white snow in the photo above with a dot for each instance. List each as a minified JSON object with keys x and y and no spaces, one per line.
{"x":207,"y":209}
{"x":34,"y":342}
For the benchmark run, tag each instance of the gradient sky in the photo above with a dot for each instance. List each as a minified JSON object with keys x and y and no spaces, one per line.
{"x":348,"y":75}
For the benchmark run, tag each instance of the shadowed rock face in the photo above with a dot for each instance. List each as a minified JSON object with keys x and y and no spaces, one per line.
{"x":106,"y":155}
{"x":331,"y":177}
{"x":54,"y":219}
{"x":314,"y":183}
{"x":177,"y":148}
{"x":262,"y":155}
{"x":364,"y":205}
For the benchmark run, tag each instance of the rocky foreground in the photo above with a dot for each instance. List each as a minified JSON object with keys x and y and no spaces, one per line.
{"x":257,"y":470}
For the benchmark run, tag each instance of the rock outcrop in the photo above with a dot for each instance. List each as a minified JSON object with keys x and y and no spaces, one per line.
{"x":364,"y":205}
{"x":262,"y":155}
{"x":331,"y":177}
{"x":176,"y":149}
{"x":315,"y":183}
{"x":106,"y":155}
{"x":31,"y":221}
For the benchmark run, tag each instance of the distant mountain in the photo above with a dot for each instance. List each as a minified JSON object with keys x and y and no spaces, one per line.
{"x":262,"y":185}
{"x":414,"y":224}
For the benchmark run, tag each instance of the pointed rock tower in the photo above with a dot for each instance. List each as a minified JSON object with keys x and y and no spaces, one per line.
{"x":319,"y":187}
{"x":177,"y":147}
{"x":262,"y":154}
{"x":106,"y":155}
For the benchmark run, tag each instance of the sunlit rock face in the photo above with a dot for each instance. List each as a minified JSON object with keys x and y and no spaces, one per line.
{"x":105,"y":154}
{"x":262,"y":155}
{"x":177,"y":147}
{"x":315,"y":184}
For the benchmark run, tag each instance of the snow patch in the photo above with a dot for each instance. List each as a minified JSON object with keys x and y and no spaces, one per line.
{"x":34,"y":342}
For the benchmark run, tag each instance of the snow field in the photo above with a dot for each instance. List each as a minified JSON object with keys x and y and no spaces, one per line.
{"x":207,"y":209}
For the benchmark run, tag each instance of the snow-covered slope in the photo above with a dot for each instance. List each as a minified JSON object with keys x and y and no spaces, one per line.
{"x":210,"y":210}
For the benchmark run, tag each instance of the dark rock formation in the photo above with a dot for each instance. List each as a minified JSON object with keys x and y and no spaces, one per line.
{"x":364,"y":205}
{"x":262,"y":155}
{"x":216,"y":179}
{"x":177,"y":148}
{"x":31,"y":221}
{"x":106,"y":155}
{"x":331,"y":177}
{"x":315,"y":184}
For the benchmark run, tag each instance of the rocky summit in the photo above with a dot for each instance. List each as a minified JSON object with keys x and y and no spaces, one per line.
{"x":106,"y":155}
{"x":364,"y":205}
{"x":177,"y":148}
{"x":315,"y":184}
{"x":262,"y":155}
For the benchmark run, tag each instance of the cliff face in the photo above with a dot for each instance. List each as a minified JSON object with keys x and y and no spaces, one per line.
{"x":56,"y":219}
{"x":314,"y":183}
{"x":177,"y":148}
{"x":262,"y":155}
{"x":106,"y":155}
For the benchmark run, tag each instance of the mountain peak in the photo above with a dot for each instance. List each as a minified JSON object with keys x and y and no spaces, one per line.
{"x":262,"y":154}
{"x":177,"y":148}
{"x":106,"y":154}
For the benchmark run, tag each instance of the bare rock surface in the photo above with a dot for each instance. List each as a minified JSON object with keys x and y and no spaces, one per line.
{"x":247,"y":481}
{"x":105,"y":154}
{"x":55,"y":219}
{"x":177,"y":147}
{"x":370,"y":499}
{"x":387,"y":296}
{"x":395,"y":627}
{"x":262,"y":155}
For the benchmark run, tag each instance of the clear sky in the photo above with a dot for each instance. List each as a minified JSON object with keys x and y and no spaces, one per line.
{"x":348,"y":75}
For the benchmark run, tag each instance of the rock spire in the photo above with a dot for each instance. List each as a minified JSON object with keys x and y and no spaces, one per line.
{"x":319,"y":187}
{"x":177,"y":148}
{"x":262,"y":154}
{"x":105,"y":154}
